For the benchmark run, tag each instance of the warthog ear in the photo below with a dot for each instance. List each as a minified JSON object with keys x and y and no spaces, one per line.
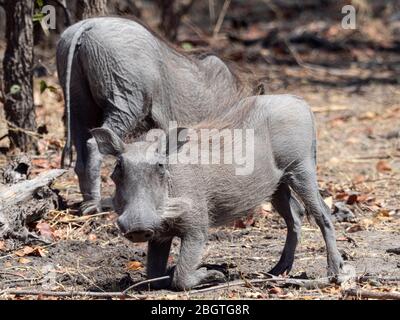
{"x":108,"y":142}
{"x":177,"y":138}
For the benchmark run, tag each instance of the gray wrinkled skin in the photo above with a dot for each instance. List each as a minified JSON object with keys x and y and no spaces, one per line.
{"x":118,"y":75}
{"x":157,"y":201}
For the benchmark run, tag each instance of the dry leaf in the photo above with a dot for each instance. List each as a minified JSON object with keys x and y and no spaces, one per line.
{"x":170,"y":297}
{"x":383,"y":166}
{"x":45,"y":230}
{"x":383,"y":213}
{"x":134,"y":265}
{"x":308,"y":298}
{"x":366,"y":222}
{"x":245,"y":222}
{"x":40,"y":163}
{"x":276,"y":290}
{"x":29,"y":251}
{"x":92,"y":237}
{"x":24,"y":251}
{"x":355,"y":228}
{"x":358,"y":179}
{"x":24,"y":260}
{"x":2,"y":246}
{"x":232,"y":295}
{"x":364,"y":198}
{"x":353,"y":198}
{"x":253,"y":295}
{"x":369,"y":115}
{"x":40,"y":251}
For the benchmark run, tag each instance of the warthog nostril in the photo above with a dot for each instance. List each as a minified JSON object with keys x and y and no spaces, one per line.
{"x":139,"y":236}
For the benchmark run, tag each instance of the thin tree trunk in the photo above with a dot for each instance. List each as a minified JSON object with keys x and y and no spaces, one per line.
{"x":91,"y":8}
{"x":18,"y":80}
{"x":171,"y":13}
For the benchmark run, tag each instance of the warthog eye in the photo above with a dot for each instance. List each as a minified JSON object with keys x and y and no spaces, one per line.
{"x":160,"y":168}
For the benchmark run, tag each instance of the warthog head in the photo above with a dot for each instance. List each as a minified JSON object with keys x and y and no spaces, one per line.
{"x":141,"y":179}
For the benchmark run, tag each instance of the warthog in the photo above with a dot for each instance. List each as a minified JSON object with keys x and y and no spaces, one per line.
{"x":117,"y":74}
{"x":157,"y":200}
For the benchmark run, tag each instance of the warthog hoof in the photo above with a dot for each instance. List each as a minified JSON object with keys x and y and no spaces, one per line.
{"x":90,"y":207}
{"x":201,"y":276}
{"x":94,"y":206}
{"x":346,"y":273}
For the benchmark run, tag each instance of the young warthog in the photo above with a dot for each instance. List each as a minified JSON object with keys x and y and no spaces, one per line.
{"x":118,"y":75}
{"x":157,"y":200}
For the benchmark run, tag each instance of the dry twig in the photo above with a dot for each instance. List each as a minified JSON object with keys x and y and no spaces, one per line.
{"x":221,"y":17}
{"x":364,"y":294}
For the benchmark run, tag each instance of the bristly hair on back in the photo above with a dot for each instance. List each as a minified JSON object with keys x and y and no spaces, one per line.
{"x":247,"y":83}
{"x":234,"y":117}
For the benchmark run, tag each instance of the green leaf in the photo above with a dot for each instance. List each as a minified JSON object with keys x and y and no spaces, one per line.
{"x":43,"y":86}
{"x":38,"y":17}
{"x":187,"y":46}
{"x":40,"y":3}
{"x":52,"y":89}
{"x":15,"y":89}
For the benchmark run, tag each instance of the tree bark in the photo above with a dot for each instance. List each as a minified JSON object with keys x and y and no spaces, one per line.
{"x":18,"y":80}
{"x":91,"y":8}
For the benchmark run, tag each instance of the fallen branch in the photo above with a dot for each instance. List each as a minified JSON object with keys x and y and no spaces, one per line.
{"x":303,"y":283}
{"x":26,"y":201}
{"x":11,"y":195}
{"x":65,"y":293}
{"x":123,"y":294}
{"x":33,"y":134}
{"x":381,"y":279}
{"x":364,"y":294}
{"x":145,"y":282}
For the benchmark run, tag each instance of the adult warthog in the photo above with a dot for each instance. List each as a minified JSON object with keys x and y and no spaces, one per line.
{"x":157,"y":200}
{"x":117,"y":74}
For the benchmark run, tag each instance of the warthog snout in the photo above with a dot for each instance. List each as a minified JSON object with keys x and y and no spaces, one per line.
{"x":135,"y":232}
{"x":139,"y":236}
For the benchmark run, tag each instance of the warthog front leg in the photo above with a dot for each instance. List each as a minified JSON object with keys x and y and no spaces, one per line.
{"x":187,"y":274}
{"x":157,"y":260}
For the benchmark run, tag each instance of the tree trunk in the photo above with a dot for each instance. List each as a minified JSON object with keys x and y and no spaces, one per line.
{"x":171,"y":13}
{"x":18,"y":80}
{"x":91,"y":8}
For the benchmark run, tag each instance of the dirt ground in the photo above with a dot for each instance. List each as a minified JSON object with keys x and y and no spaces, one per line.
{"x":358,"y":159}
{"x":355,"y":95}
